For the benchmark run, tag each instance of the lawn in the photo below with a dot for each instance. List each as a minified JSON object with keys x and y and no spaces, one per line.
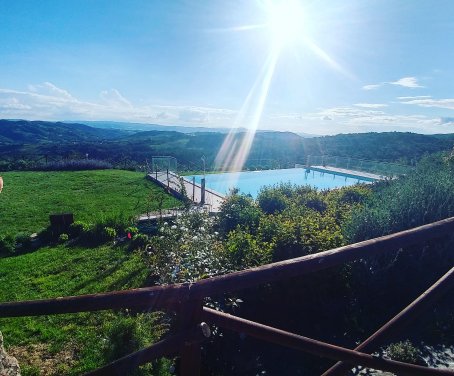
{"x":72,"y":343}
{"x":29,"y":197}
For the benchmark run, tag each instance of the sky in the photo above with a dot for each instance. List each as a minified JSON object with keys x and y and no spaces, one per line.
{"x":308,"y":66}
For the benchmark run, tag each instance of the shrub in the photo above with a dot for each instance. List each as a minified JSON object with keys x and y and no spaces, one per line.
{"x":109,"y":233}
{"x":63,"y":238}
{"x":7,"y":244}
{"x":139,"y":241}
{"x":186,"y":251}
{"x":75,"y":165}
{"x":244,"y":250}
{"x":271,"y":200}
{"x":405,"y":352}
{"x":131,"y":230}
{"x":131,"y":333}
{"x":23,"y":240}
{"x":238,"y":210}
{"x":77,"y":228}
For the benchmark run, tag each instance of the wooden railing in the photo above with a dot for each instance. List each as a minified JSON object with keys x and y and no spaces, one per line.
{"x":187,"y":300}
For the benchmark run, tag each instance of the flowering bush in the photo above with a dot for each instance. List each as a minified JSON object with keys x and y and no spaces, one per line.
{"x":186,"y":250}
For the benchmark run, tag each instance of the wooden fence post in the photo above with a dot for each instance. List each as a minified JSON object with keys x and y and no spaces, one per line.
{"x":190,"y":360}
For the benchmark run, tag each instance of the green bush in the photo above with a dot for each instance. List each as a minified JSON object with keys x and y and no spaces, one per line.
{"x":77,"y":228}
{"x":139,"y":241}
{"x":7,"y":244}
{"x":405,"y":352}
{"x":23,"y":240}
{"x":244,"y":250}
{"x":271,"y":200}
{"x":130,"y":333}
{"x":187,"y":250}
{"x":131,"y":230}
{"x":238,"y":210}
{"x":63,"y":238}
{"x":109,"y":233}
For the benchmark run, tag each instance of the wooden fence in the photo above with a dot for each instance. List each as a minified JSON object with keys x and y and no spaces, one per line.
{"x":187,"y":301}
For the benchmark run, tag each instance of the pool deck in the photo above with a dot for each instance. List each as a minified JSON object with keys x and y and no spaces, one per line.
{"x":348,"y":173}
{"x":171,"y":182}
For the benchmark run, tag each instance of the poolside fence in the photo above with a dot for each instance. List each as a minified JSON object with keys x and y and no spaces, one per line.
{"x":363,"y":165}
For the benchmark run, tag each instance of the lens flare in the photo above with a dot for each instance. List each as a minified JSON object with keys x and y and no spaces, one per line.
{"x":237,"y":144}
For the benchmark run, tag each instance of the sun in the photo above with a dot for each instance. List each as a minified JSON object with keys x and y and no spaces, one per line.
{"x":286,"y":21}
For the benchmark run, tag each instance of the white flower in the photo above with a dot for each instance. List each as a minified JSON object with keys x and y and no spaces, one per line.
{"x":174,"y":227}
{"x":216,"y":233}
{"x":202,"y":229}
{"x":165,"y":224}
{"x":194,"y":237}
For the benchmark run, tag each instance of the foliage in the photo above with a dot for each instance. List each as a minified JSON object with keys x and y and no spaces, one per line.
{"x":139,"y":241}
{"x":23,"y":240}
{"x":7,"y":244}
{"x":245,"y":250}
{"x":187,"y":250}
{"x":425,"y":196}
{"x":404,"y":352}
{"x":130,"y":333}
{"x":272,"y":200}
{"x":74,"y":165}
{"x":62,"y":238}
{"x":109,"y":233}
{"x":238,"y":210}
{"x":77,"y":228}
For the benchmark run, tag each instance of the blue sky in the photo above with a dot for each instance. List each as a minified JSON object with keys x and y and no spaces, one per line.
{"x":343,"y":66}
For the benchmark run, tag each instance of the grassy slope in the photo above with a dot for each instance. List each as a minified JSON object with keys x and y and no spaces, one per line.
{"x":29,"y":197}
{"x":69,"y":344}
{"x":61,"y":271}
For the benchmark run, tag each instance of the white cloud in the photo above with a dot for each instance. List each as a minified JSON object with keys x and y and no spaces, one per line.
{"x":49,"y":102}
{"x":49,"y":89}
{"x":372,"y":87}
{"x":415,"y":97}
{"x":113,"y":97}
{"x":362,"y":119}
{"x":411,"y":82}
{"x":371,"y":105}
{"x":430,"y":102}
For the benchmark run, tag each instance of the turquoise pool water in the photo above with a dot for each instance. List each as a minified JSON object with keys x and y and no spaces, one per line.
{"x":251,"y":182}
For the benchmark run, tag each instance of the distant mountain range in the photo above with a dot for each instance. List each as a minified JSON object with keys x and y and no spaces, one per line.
{"x":25,"y":139}
{"x":157,"y":127}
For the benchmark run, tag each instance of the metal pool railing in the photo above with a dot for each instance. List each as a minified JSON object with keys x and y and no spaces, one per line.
{"x":187,"y":301}
{"x":362,"y":165}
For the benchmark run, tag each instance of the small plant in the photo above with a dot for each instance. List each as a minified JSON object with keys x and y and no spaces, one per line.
{"x":23,"y":240}
{"x":63,"y":238}
{"x":131,"y":231}
{"x":405,"y":352}
{"x":139,"y":241}
{"x":78,"y":228}
{"x":109,"y":233}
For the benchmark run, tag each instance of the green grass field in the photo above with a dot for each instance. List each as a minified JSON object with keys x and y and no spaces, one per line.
{"x":73,"y":344}
{"x":29,"y":197}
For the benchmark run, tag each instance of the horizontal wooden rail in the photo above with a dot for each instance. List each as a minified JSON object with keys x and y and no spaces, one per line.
{"x":423,"y":302}
{"x":170,"y":346}
{"x":297,"y":342}
{"x":167,"y":347}
{"x":161,"y":297}
{"x":151,"y":298}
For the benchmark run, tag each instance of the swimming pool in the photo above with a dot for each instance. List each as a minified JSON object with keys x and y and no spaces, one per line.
{"x":251,"y":182}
